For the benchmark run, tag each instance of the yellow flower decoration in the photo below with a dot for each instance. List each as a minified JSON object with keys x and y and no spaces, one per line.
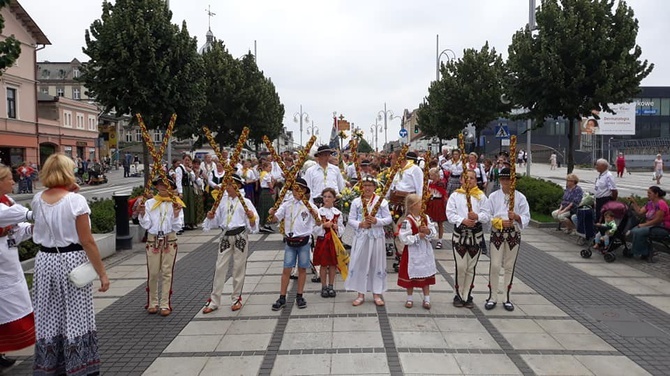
{"x":346,"y":204}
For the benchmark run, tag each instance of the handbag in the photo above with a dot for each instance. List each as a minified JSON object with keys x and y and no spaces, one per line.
{"x":83,"y":274}
{"x":297,"y":241}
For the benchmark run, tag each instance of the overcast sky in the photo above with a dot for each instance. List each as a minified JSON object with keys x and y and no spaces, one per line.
{"x":349,"y":56}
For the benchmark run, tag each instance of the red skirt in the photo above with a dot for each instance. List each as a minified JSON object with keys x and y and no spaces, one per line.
{"x":324,"y":251}
{"x":17,"y":335}
{"x":403,"y":275}
{"x":436,"y":209}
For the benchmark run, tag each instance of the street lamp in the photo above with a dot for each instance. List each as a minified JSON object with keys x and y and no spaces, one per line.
{"x":312,"y":130}
{"x":375,"y":129}
{"x":450,"y":54}
{"x":298,"y":117}
{"x":386,"y":115}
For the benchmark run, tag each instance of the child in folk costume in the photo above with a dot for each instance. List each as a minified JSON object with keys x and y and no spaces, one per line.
{"x":367,"y":266}
{"x":467,"y":235}
{"x":417,"y":263}
{"x":235,"y":224}
{"x":325,"y":255}
{"x":162,"y":218}
{"x":436,"y":207}
{"x":506,"y":226}
{"x":299,"y":225}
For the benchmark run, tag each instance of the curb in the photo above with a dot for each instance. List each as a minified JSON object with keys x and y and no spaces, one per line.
{"x":538,"y":224}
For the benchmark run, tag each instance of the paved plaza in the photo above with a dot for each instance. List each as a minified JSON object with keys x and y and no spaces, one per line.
{"x":573,"y":316}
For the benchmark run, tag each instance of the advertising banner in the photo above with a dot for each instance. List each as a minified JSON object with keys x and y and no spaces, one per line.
{"x":621,"y":122}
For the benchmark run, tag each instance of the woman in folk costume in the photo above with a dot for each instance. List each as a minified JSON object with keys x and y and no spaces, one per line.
{"x":417,"y":264}
{"x":162,"y":218}
{"x":184,"y":178}
{"x":215,"y":181}
{"x":325,"y":255}
{"x":235,"y":225}
{"x":17,"y":322}
{"x":249,"y":176}
{"x":436,"y":207}
{"x":367,"y":266}
{"x":453,"y":168}
{"x":266,"y":196}
{"x":467,"y":235}
{"x":505,"y":236}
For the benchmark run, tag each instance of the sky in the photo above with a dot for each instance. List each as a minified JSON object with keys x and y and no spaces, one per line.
{"x":352,"y":57}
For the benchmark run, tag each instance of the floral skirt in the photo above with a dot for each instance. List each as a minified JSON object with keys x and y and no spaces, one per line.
{"x":67,"y":342}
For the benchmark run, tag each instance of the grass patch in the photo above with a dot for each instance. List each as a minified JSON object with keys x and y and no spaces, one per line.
{"x":29,"y":280}
{"x":543,"y":218}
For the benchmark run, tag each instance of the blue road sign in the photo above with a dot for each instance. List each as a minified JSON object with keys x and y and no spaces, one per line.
{"x":403,"y":132}
{"x":502,"y":131}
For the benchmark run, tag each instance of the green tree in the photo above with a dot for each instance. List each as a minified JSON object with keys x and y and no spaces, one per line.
{"x":583,"y":56}
{"x":469,"y":92}
{"x":140,"y":62}
{"x":10,"y":48}
{"x":364,"y":146}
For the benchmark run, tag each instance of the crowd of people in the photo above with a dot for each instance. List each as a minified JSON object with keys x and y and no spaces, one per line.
{"x":474,"y":197}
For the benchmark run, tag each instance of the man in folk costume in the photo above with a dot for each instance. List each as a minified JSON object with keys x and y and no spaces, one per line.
{"x":505,"y":236}
{"x":162,"y":218}
{"x":299,"y":225}
{"x":454,"y":168}
{"x":367,"y":266}
{"x":323,"y":175}
{"x":17,"y":321}
{"x":467,"y":235}
{"x":235,"y":225}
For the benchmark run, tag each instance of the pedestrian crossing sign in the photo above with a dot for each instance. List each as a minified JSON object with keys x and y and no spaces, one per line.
{"x":502,"y":131}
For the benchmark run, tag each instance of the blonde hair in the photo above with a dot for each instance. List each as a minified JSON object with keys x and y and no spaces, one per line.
{"x":58,"y":170}
{"x":572,"y":177}
{"x":5,"y":171}
{"x":411,"y":200}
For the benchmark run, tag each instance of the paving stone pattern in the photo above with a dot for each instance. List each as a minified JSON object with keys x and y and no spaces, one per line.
{"x":577,"y":293}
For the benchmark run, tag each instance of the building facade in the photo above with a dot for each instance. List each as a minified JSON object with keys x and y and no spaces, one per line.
{"x":18,"y":106}
{"x":60,"y":79}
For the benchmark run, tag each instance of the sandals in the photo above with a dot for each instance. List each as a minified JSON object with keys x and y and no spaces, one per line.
{"x":325,"y":292}
{"x":152,"y":310}
{"x":236,"y":306}
{"x":409,"y":304}
{"x":358,"y":301}
{"x":166,"y":312}
{"x":438,"y":245}
{"x":379,"y":302}
{"x":426,"y":305}
{"x":331,"y":292}
{"x":279,"y":304}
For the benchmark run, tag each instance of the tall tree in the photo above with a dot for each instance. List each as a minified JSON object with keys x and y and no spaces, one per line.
{"x":10,"y":48}
{"x":140,"y":62}
{"x":583,"y":56}
{"x":469,"y":92}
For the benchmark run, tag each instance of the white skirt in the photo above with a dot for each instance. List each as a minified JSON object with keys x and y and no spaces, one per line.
{"x":367,"y":265}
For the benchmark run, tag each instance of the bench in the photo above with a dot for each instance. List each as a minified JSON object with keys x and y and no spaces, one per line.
{"x":658,"y":236}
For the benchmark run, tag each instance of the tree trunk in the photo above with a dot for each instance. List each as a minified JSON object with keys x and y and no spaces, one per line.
{"x":571,"y":146}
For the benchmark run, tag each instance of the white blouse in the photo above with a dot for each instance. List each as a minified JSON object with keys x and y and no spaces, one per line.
{"x":58,"y":218}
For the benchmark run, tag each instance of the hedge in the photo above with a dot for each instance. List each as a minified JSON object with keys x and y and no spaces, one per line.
{"x":543,"y":196}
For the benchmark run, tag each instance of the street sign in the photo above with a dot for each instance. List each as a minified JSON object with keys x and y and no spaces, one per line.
{"x":402,"y":132}
{"x":504,"y":142}
{"x":502,"y":131}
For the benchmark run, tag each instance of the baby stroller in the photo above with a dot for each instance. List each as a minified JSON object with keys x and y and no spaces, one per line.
{"x":624,"y":219}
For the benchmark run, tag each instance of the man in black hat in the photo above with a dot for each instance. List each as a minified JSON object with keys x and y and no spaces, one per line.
{"x":323,"y":175}
{"x":162,"y":216}
{"x":506,"y":226}
{"x":235,"y":224}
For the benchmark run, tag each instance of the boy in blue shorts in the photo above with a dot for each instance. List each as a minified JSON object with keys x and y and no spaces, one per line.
{"x":299,"y":225}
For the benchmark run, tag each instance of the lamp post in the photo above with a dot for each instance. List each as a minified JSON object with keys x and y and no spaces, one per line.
{"x":450,"y":54}
{"x":299,"y":117}
{"x":375,"y":129}
{"x":386,"y":115}
{"x":312,"y":130}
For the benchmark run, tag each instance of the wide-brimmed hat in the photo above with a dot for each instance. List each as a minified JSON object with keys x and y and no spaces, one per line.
{"x":238,"y":179}
{"x":365,"y":162}
{"x":302,"y":183}
{"x":505,"y":173}
{"x":323,"y":149}
{"x":369,"y":179}
{"x":160,"y":180}
{"x":412,"y":156}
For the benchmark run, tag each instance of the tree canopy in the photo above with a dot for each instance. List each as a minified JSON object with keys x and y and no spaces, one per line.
{"x":583,"y":56}
{"x":140,"y":62}
{"x":468,"y":92}
{"x":10,"y":48}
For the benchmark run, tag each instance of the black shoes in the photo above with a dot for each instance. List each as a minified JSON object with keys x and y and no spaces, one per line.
{"x":300,"y":301}
{"x":508,"y":306}
{"x":469,"y":303}
{"x":489,"y":305}
{"x":328,"y":292}
{"x":458,"y":302}
{"x":324,"y":292}
{"x":279,"y":304}
{"x":316,"y":279}
{"x":6,"y":362}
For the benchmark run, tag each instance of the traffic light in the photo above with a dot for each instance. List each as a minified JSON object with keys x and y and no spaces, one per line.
{"x":416,"y":129}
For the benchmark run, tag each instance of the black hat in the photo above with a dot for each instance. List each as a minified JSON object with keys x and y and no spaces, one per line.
{"x":505,"y":173}
{"x":323,"y":149}
{"x":411,"y":156}
{"x":160,"y":180}
{"x":365,"y":162}
{"x":302,"y":183}
{"x":238,"y":179}
{"x":369,"y":179}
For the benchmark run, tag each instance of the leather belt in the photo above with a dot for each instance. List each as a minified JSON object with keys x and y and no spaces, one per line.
{"x":69,"y":248}
{"x":235,"y":231}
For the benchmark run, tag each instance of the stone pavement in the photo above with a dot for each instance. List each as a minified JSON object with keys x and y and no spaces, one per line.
{"x":573,"y":316}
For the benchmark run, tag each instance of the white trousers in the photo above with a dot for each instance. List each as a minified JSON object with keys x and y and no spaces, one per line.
{"x":231,"y":248}
{"x":160,"y":266}
{"x":504,"y":252}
